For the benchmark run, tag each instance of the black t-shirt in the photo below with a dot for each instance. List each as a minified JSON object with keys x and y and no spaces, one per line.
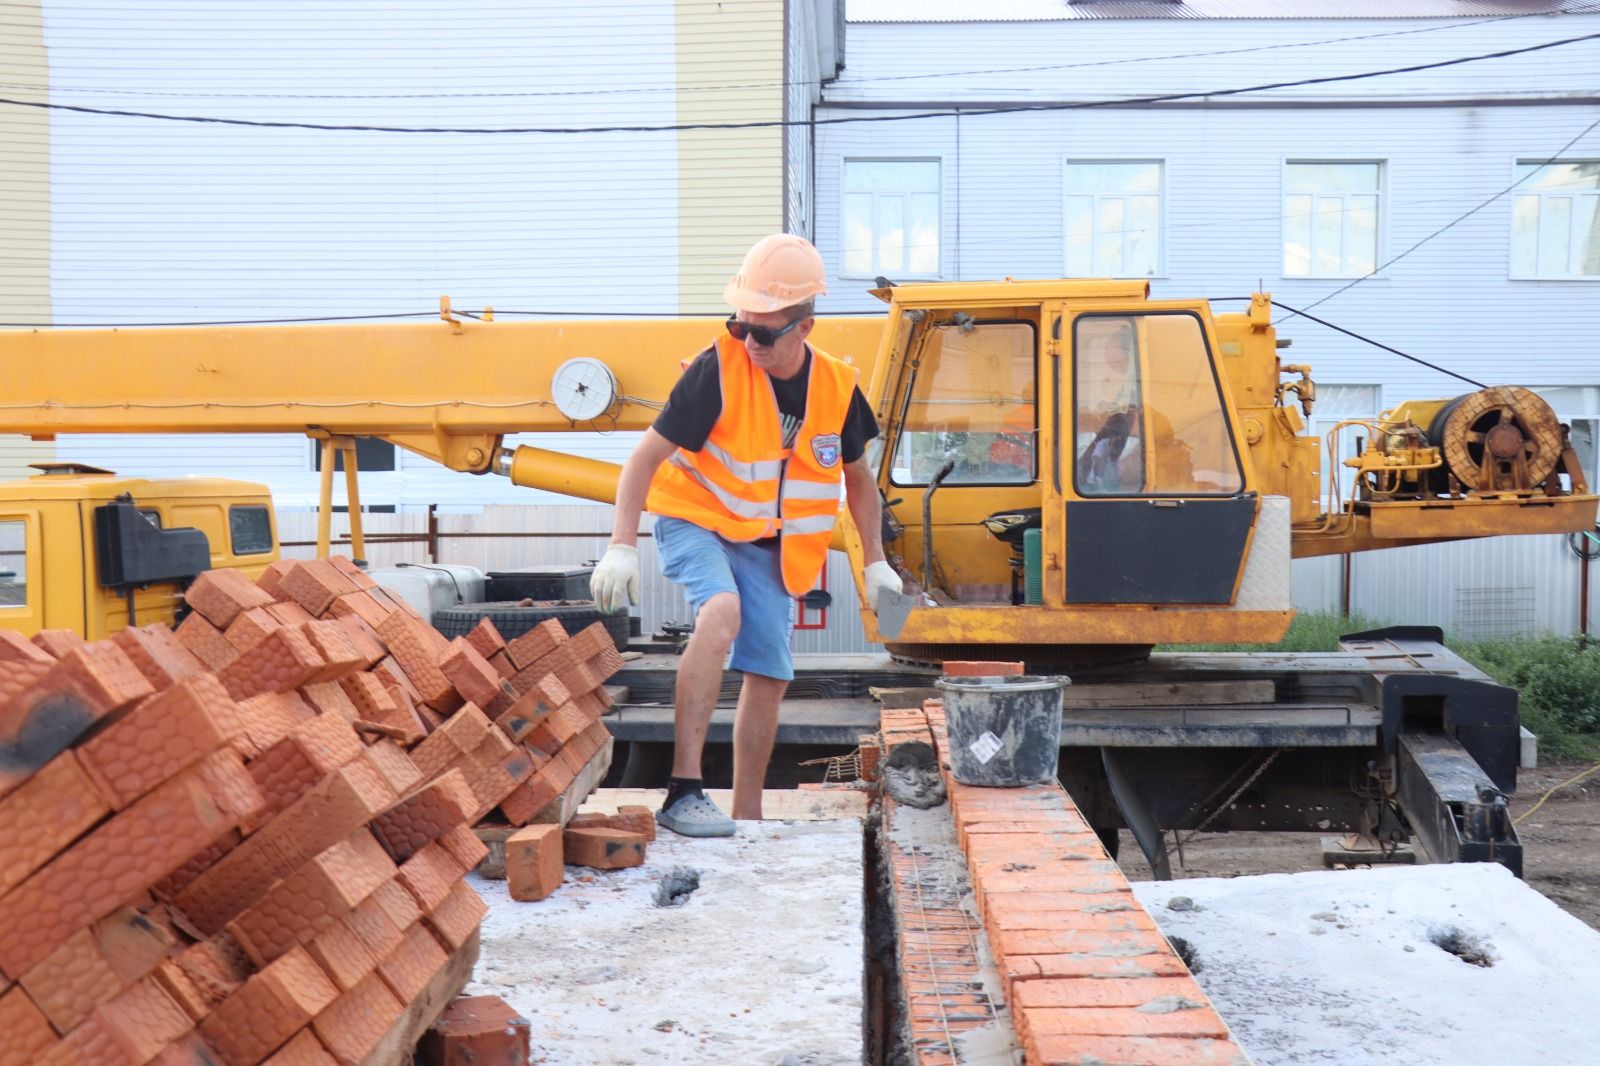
{"x":696,"y":404}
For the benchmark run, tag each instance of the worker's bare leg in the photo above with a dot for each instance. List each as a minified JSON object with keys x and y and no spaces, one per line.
{"x":754,"y":728}
{"x":700,"y":679}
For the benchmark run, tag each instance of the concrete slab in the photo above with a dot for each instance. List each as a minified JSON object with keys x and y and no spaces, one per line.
{"x":1387,"y":965}
{"x":763,"y":964}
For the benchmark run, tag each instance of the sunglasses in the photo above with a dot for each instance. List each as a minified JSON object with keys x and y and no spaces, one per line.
{"x":763,"y":336}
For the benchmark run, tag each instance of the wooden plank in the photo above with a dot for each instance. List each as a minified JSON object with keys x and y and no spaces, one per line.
{"x":397,"y":1045}
{"x":779,"y":804}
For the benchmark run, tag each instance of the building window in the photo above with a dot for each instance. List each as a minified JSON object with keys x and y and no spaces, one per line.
{"x":891,"y":218}
{"x":1330,"y":219}
{"x":1556,"y":220}
{"x":1113,"y":218}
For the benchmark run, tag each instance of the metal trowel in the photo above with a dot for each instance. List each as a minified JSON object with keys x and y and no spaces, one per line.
{"x":893,"y":608}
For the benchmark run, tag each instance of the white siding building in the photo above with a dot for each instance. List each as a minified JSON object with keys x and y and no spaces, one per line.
{"x":1022,"y":167}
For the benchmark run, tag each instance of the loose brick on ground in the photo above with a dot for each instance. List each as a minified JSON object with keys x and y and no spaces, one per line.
{"x":635,"y":818}
{"x":534,"y":862}
{"x":476,"y":1029}
{"x":603,"y":849}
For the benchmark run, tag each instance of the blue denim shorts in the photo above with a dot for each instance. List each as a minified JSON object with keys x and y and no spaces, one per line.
{"x":706,"y":564}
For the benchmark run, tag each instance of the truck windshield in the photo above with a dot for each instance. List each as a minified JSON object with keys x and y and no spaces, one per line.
{"x":1148,"y":412}
{"x":972,"y":400}
{"x":13,"y":564}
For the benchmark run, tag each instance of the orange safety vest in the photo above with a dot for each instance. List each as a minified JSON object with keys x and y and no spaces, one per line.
{"x":744,"y":484}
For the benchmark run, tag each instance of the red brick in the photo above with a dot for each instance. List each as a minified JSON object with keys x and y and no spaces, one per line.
{"x":270,"y":1007}
{"x":314,"y":585}
{"x":464,"y":847}
{"x":460,"y":735}
{"x":338,"y":650}
{"x":215,"y":968}
{"x":328,"y":697}
{"x":289,"y":613}
{"x":429,"y":875}
{"x":413,"y":963}
{"x":603,"y":849}
{"x":486,"y":638}
{"x":360,"y":605}
{"x":531,"y":797}
{"x":594,"y":703}
{"x":230,"y":786}
{"x":82,"y":687}
{"x":556,"y":663}
{"x":426,"y":815}
{"x":493,"y":771}
{"x":222,"y":594}
{"x":456,"y":919}
{"x":470,"y":673}
{"x":57,"y":642}
{"x":74,"y":980}
{"x":352,"y":1026}
{"x":398,"y":904}
{"x":158,"y":654}
{"x":112,"y":864}
{"x":271,"y":579}
{"x":371,"y":924}
{"x":413,"y":649}
{"x":304,"y":1050}
{"x":503,"y":665}
{"x":342,"y":954}
{"x":27,"y":1031}
{"x":282,"y":661}
{"x":268,"y":718}
{"x":534,"y":862}
{"x":312,"y":898}
{"x":524,"y":715}
{"x":183,"y":989}
{"x":18,"y":678}
{"x":188,"y":1050}
{"x":44,"y":815}
{"x":89,"y":1042}
{"x":476,"y":1029}
{"x":337,"y":806}
{"x":590,"y":640}
{"x":393,"y":764}
{"x":16,"y":648}
{"x":558,"y":729}
{"x":347,"y":566}
{"x":160,"y":737}
{"x":143,"y":1020}
{"x":537,"y":642}
{"x":635,"y":818}
{"x":205,"y":642}
{"x":134,"y":941}
{"x":389,"y":672}
{"x":251,"y":627}
{"x":175,"y":882}
{"x":311,"y":751}
{"x":370,"y":697}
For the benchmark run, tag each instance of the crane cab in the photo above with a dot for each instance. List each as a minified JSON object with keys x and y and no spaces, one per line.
{"x":1064,"y":465}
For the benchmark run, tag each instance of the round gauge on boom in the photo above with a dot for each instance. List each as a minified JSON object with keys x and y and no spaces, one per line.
{"x":583,"y":389}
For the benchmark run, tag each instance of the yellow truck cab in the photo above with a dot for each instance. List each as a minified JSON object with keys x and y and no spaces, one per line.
{"x":86,"y":550}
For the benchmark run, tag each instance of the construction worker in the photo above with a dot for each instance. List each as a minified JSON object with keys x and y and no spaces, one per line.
{"x":743,"y":469}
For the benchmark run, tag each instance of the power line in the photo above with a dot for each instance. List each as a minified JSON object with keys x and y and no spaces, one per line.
{"x":785,"y":123}
{"x":843,"y":82}
{"x":1453,"y":222}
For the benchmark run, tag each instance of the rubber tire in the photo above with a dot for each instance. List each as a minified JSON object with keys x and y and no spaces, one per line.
{"x":513,"y":621}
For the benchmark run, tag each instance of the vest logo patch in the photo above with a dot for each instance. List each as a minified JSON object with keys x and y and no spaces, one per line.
{"x":825,"y":447}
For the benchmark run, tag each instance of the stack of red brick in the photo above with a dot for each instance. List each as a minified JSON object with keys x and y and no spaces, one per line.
{"x":217,"y":847}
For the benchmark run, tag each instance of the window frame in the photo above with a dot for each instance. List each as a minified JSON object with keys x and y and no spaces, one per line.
{"x":1228,"y":421}
{"x":905,"y":406}
{"x":876,"y":270}
{"x":233,"y":531}
{"x":1161,"y":271}
{"x":1380,"y":238}
{"x":1511,"y":226}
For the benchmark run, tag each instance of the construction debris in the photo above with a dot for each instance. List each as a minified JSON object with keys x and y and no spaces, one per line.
{"x":246,"y":838}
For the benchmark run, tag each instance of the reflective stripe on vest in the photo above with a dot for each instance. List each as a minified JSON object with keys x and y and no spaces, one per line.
{"x":744,"y":485}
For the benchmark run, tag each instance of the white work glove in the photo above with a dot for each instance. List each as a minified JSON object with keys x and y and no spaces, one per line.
{"x":880,"y":576}
{"x":615,"y":581}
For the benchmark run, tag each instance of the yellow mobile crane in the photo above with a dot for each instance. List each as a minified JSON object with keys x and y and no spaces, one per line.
{"x":1073,"y":472}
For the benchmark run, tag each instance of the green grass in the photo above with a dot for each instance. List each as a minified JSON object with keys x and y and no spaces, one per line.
{"x":1558,"y":677}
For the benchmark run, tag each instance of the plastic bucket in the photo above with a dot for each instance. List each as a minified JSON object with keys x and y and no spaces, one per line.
{"x":1004,"y":731}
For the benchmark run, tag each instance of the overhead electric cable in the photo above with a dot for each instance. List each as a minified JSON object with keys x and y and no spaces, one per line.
{"x":784,"y":123}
